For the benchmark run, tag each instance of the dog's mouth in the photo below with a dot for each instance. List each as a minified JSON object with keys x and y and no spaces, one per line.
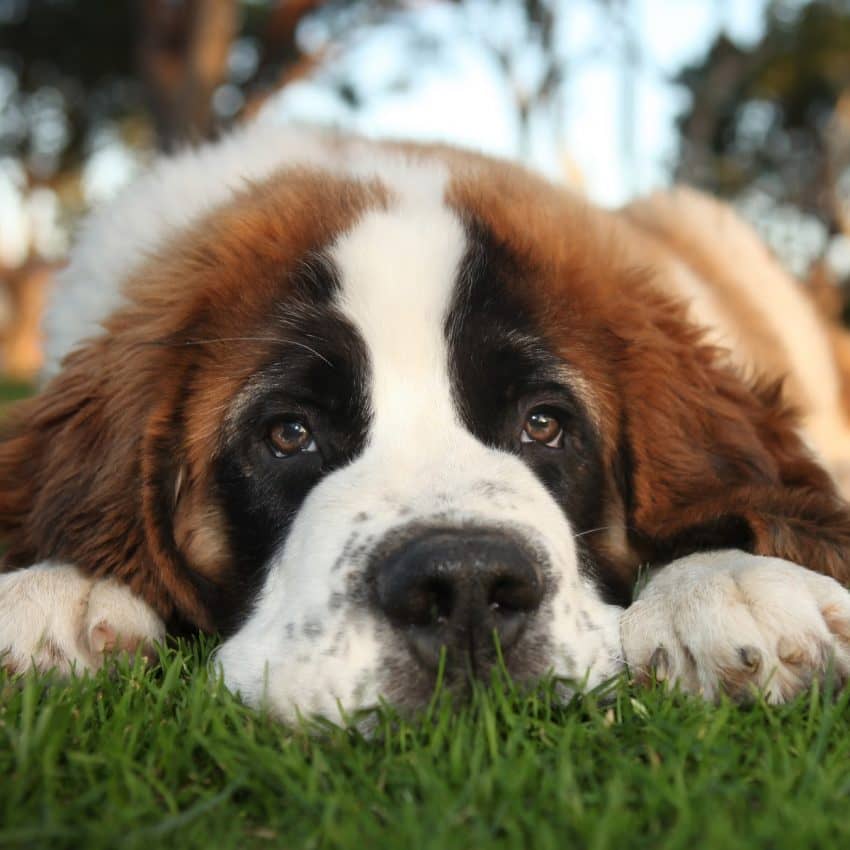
{"x":411,"y":682}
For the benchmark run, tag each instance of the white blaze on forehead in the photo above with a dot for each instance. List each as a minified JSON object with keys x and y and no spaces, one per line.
{"x":398,"y":268}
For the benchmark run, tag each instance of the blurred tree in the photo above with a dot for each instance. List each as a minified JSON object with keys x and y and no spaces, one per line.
{"x":764,"y":127}
{"x":64,"y":67}
{"x":163,"y":72}
{"x":69,"y":67}
{"x":78,"y":75}
{"x":182,"y":55}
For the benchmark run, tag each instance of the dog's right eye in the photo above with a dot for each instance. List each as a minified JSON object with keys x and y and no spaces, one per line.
{"x":290,"y":438}
{"x":544,"y":428}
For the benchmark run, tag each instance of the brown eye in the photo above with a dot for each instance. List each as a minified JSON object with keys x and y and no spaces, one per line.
{"x":290,"y":438}
{"x":542,"y":428}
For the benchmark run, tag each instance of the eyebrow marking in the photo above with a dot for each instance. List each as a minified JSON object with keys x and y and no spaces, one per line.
{"x":579,"y":385}
{"x":398,"y":269}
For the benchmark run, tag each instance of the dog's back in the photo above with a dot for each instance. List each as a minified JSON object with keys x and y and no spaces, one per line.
{"x":751,"y":306}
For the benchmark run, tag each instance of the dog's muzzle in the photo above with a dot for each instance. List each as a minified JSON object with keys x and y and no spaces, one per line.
{"x":459,"y":590}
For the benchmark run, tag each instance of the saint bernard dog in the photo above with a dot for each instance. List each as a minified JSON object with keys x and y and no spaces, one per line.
{"x":371,"y":410}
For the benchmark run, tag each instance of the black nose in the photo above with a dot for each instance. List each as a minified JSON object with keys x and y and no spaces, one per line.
{"x":455,"y":588}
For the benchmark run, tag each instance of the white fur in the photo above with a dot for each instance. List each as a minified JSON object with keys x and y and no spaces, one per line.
{"x":51,"y":616}
{"x":398,"y":270}
{"x":738,"y":622}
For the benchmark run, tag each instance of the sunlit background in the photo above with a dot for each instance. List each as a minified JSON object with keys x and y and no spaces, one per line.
{"x":747,"y":98}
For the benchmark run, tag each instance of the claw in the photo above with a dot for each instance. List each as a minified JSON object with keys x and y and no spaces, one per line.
{"x":659,"y":663}
{"x":750,"y":657}
{"x":102,"y":638}
{"x":837,"y":622}
{"x":789,"y":652}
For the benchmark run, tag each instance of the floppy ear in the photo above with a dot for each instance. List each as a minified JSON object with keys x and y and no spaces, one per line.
{"x":711,"y":461}
{"x":84,"y":470}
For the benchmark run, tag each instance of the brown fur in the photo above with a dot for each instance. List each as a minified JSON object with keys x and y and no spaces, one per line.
{"x":829,"y":297}
{"x":658,"y":218}
{"x":708,"y":458}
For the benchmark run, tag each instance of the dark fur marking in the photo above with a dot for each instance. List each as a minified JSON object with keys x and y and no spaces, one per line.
{"x":322,"y":384}
{"x":504,"y":366}
{"x":312,"y":628}
{"x":588,"y":624}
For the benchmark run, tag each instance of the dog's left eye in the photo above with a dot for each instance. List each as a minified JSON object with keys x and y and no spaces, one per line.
{"x":289,"y":438}
{"x":544,"y":428}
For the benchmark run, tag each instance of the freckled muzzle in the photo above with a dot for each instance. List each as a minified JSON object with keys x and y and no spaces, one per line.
{"x":459,"y":590}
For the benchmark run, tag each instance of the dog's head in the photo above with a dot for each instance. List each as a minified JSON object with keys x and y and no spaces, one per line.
{"x":355,"y":418}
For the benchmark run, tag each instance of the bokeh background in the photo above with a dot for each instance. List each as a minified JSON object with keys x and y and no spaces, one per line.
{"x":749,"y":99}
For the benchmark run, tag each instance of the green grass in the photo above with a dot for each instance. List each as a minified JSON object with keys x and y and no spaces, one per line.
{"x":13,"y":391}
{"x":164,"y":757}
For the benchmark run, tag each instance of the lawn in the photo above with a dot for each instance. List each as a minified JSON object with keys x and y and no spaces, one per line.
{"x":13,"y":391}
{"x":164,"y":757}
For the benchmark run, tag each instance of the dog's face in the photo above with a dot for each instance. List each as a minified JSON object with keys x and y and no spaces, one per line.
{"x":366,"y":426}
{"x":407,"y":473}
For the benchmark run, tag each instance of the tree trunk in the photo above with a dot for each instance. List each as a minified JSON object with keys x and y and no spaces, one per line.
{"x":182,"y":54}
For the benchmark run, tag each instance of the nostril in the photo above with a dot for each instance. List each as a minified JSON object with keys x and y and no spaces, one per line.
{"x":430,"y":603}
{"x":413,"y":595}
{"x":503,"y":596}
{"x":515,"y":595}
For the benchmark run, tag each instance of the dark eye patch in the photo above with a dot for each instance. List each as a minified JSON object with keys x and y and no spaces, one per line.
{"x":495,"y":405}
{"x":503,"y":366}
{"x":317,"y":374}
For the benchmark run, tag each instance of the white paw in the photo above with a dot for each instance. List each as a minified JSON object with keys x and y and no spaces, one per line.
{"x":51,"y":616}
{"x":738,"y":623}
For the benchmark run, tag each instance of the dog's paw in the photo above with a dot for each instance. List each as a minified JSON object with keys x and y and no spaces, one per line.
{"x":734,"y":623}
{"x":53,"y":617}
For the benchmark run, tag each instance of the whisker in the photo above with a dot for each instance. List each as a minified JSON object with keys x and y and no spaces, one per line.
{"x":603,"y":528}
{"x":229,"y":339}
{"x":594,"y":530}
{"x":293,"y":342}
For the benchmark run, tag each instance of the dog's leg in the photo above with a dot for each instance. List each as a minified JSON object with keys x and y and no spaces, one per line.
{"x":52,"y":616}
{"x":737,"y":623}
